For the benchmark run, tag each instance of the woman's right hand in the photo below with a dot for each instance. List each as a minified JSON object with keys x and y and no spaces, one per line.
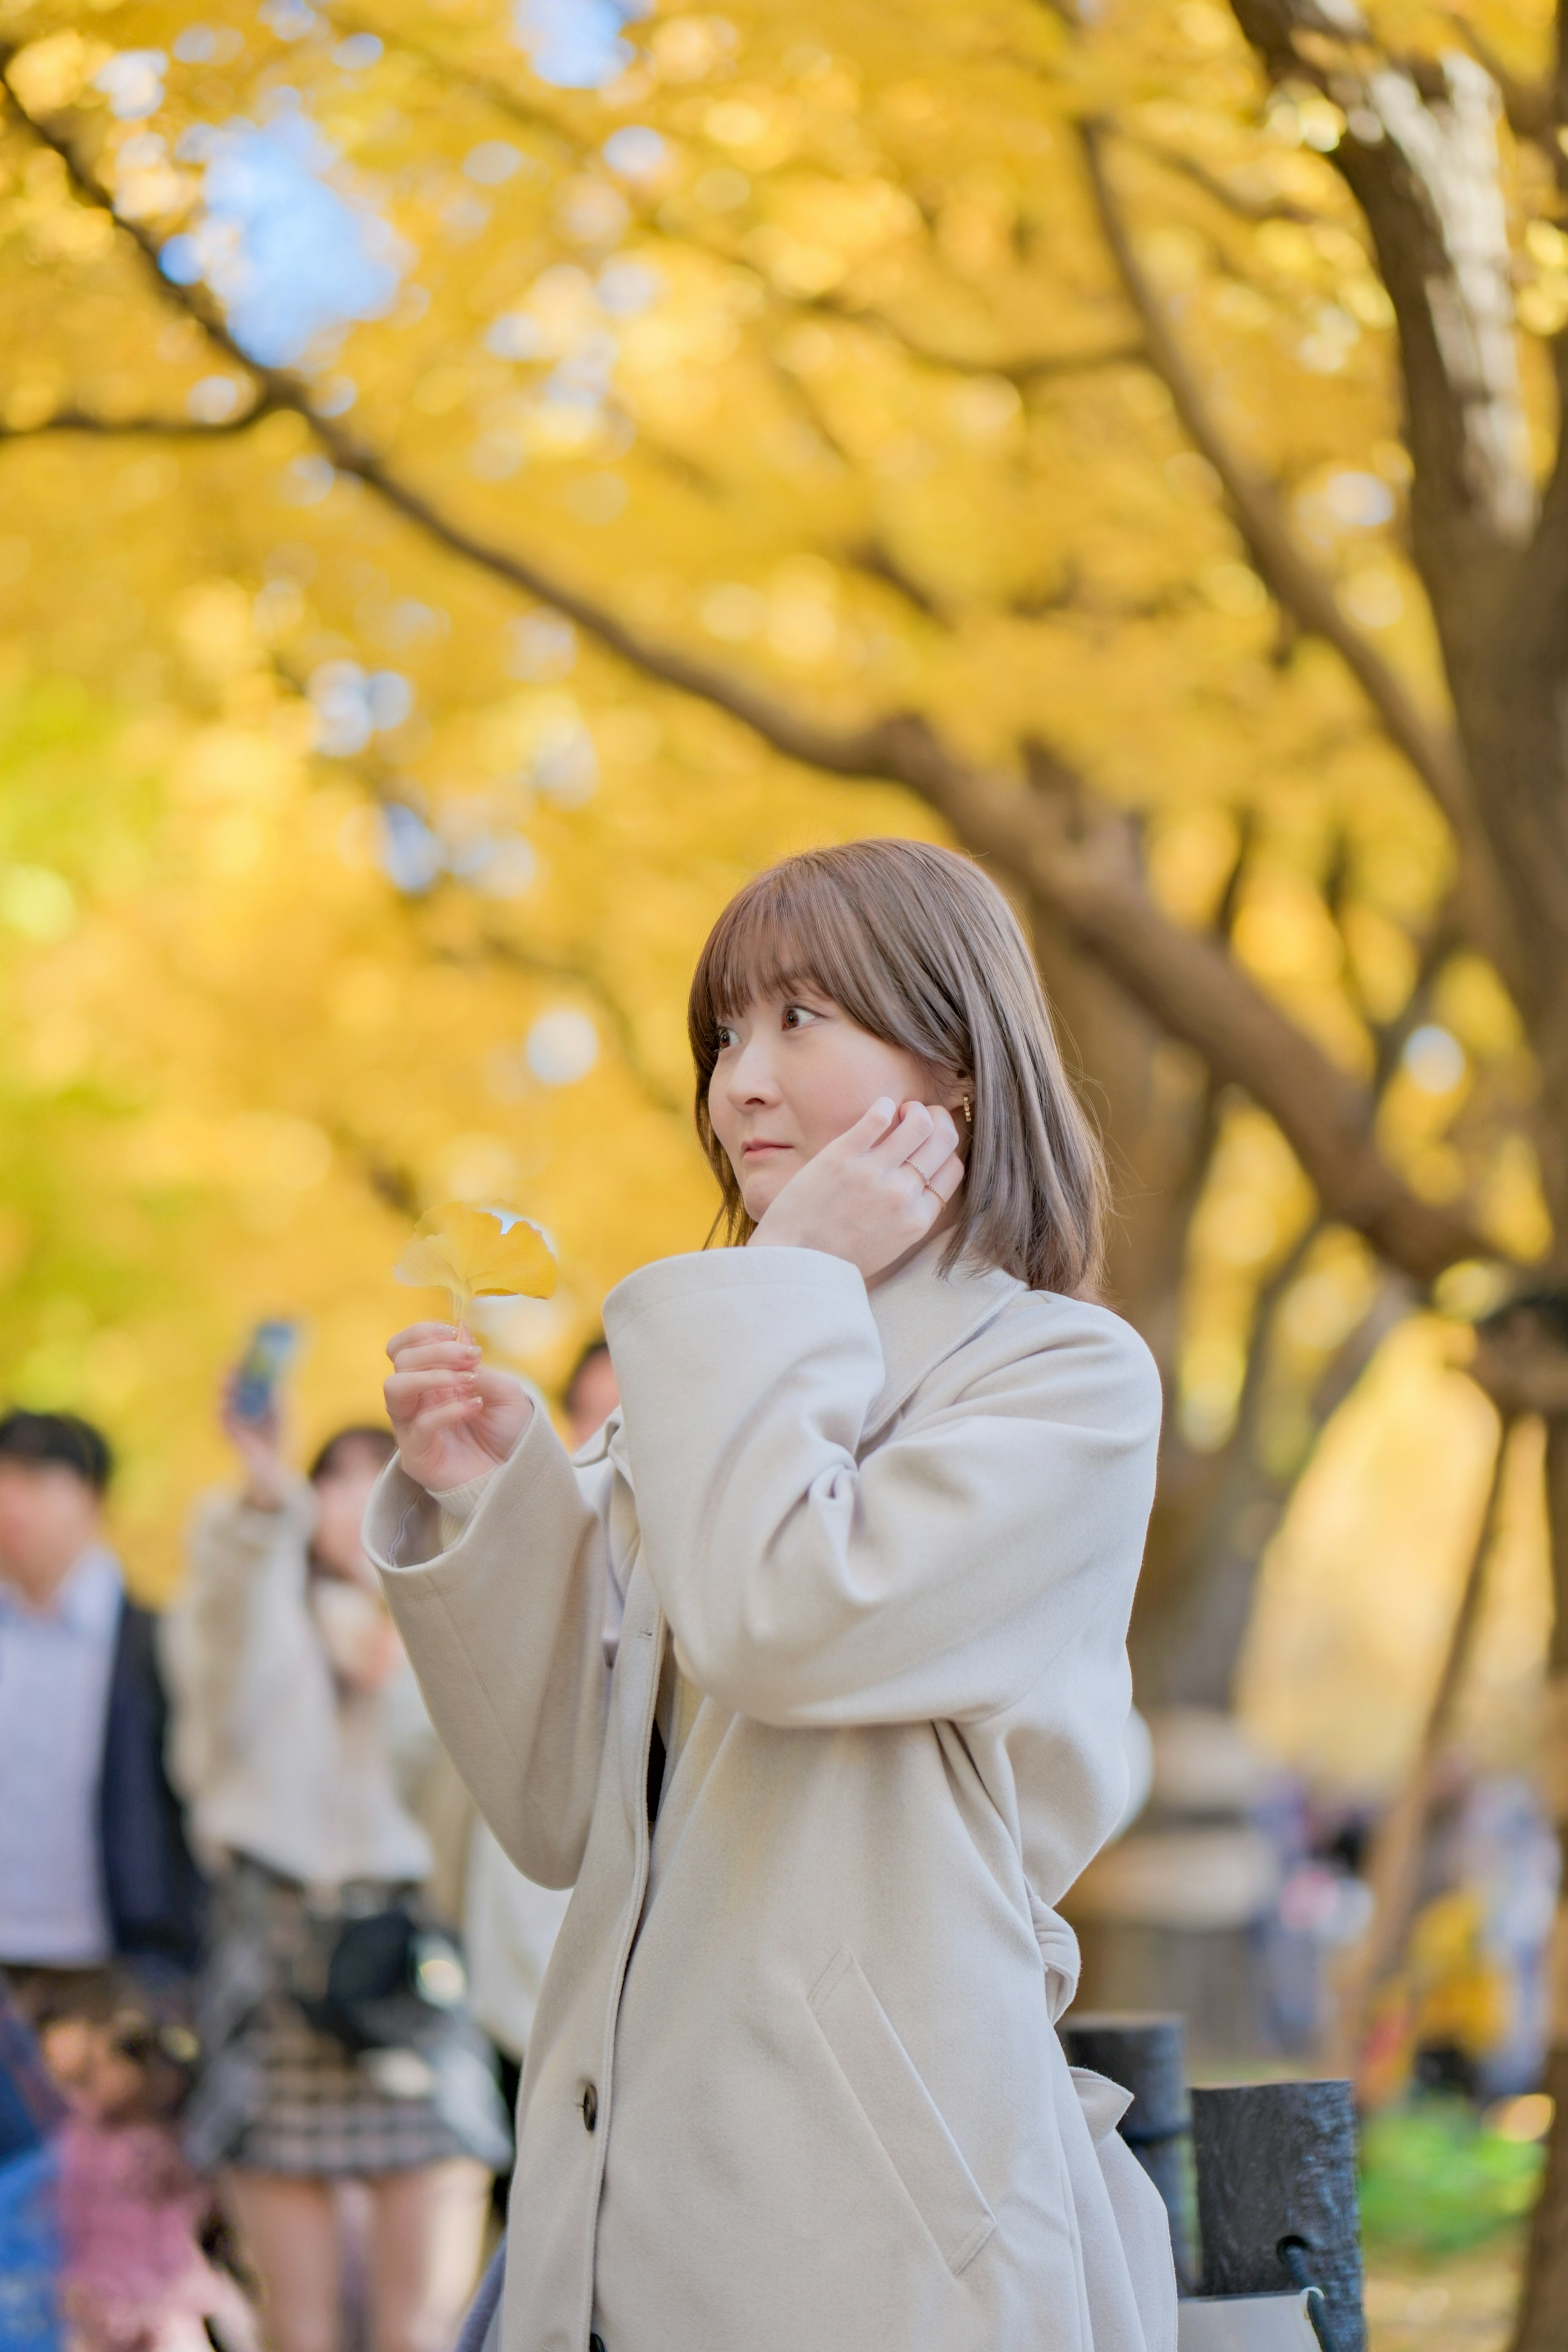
{"x":256,"y":1439}
{"x":456,"y":1417}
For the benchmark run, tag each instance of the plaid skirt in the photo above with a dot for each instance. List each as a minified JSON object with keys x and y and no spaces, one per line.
{"x":277,"y":2096}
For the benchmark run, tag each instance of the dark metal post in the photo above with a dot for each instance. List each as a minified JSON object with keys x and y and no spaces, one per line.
{"x":1277,"y":2203}
{"x":1147,"y":2055}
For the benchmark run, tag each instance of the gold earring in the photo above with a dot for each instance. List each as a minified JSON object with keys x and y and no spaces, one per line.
{"x":967,"y":1121}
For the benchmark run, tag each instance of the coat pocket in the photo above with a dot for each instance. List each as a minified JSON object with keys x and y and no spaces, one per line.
{"x":901,"y":2112}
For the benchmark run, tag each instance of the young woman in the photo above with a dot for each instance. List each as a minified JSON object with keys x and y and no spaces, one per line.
{"x":287,"y":1678}
{"x":866,"y":1527}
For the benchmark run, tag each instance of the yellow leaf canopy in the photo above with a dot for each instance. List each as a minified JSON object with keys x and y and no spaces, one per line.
{"x":477,"y":1254}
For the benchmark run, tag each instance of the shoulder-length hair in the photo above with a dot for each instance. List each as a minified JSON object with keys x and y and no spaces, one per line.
{"x":916,"y":945}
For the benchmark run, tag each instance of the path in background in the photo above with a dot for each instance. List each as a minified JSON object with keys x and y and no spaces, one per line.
{"x":1445,"y":2303}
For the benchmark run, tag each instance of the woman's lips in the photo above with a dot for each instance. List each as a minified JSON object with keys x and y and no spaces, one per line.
{"x":753,"y":1150}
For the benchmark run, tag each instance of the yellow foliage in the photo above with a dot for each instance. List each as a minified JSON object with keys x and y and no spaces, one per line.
{"x":50,"y":73}
{"x":477,"y":1254}
{"x":792,"y":338}
{"x":1360,"y":1586}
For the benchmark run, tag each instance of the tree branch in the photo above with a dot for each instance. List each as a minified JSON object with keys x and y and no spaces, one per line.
{"x":506,"y":102}
{"x":1420,"y":157}
{"x":879,"y":562}
{"x":1196,"y":991}
{"x":1530,"y":107}
{"x":497,"y":95}
{"x":499,"y":949}
{"x":174,"y":429}
{"x":1307,"y":595}
{"x":389,"y":1179}
{"x":1246,"y":208}
{"x":1394,"y":1865}
{"x":1029,"y":369}
{"x":1186,"y":983}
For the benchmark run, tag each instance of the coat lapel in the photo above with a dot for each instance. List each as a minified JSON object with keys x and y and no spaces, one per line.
{"x":921,"y":1316}
{"x":632,"y":1695}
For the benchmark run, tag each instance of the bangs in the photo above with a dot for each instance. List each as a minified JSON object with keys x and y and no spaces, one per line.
{"x":758,"y":950}
{"x":798,"y":927}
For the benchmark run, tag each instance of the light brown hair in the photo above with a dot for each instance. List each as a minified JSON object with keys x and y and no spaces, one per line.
{"x":917,"y":946}
{"x":364,"y":1437}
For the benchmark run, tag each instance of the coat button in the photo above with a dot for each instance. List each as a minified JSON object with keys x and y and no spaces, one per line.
{"x":590,"y":2112}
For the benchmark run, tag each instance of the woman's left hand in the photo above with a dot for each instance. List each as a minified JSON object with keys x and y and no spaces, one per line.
{"x":874,"y":1192}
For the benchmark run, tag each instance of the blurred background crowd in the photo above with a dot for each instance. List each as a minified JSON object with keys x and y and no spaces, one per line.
{"x":266,"y":1980}
{"x":269,"y":1981}
{"x":482,"y":478}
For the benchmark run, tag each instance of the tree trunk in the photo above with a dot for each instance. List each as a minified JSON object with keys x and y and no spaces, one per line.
{"x":1155,"y":1111}
{"x":1393,"y":1872}
{"x":1543,"y":2311}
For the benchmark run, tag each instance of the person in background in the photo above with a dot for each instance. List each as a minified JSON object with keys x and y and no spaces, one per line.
{"x":286,"y":1670}
{"x":591,"y":1393}
{"x":509,"y":1924}
{"x":133,"y":2212}
{"x":95,"y":1873}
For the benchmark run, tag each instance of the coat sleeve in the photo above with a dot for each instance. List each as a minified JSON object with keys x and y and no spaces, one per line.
{"x":239,"y":1641}
{"x":505,"y":1629}
{"x":997,"y":1530}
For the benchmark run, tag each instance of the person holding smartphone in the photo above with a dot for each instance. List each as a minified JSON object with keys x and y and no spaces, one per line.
{"x":288,"y":1679}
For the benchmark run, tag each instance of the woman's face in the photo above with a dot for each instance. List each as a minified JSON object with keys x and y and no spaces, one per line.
{"x":342,"y":1496}
{"x":793,"y":1073}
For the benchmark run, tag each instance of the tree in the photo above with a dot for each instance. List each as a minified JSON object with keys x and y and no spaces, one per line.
{"x":1135,"y":441}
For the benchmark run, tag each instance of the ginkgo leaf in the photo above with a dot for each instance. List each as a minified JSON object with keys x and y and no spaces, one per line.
{"x":477,"y":1254}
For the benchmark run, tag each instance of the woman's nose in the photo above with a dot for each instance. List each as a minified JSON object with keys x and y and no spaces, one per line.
{"x":751,"y":1078}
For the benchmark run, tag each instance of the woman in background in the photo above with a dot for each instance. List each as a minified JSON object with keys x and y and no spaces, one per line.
{"x":289,"y":1682}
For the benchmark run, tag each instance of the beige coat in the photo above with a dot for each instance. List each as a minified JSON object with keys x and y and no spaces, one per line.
{"x":794,"y":2085}
{"x":276,"y":1758}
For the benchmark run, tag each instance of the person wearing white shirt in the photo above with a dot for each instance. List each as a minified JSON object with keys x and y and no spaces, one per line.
{"x":94,"y":1869}
{"x":288,"y":1679}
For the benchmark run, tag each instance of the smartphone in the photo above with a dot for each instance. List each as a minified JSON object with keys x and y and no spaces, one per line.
{"x":272,"y":1348}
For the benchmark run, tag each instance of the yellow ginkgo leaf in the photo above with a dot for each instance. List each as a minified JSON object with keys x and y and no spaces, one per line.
{"x":477,"y":1254}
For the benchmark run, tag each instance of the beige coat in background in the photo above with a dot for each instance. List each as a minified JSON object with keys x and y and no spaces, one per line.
{"x":275,"y":1757}
{"x":794,"y":2085}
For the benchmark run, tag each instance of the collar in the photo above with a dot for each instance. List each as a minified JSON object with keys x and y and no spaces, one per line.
{"x":86,"y":1602}
{"x":923,"y":1315}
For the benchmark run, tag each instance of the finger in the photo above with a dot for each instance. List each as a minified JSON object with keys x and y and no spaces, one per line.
{"x":947,"y":1178}
{"x":905,"y":1136}
{"x":414,"y":1334}
{"x":445,"y":1416}
{"x":872,"y":1126}
{"x":938,"y":1146}
{"x":408,"y":1393}
{"x":406,"y":1389}
{"x":438,"y":1355}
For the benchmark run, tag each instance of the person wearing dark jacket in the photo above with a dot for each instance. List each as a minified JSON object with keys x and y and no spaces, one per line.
{"x":95,"y":1873}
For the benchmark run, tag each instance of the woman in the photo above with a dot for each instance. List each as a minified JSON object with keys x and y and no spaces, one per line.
{"x":288,"y":1676}
{"x":867,"y":1526}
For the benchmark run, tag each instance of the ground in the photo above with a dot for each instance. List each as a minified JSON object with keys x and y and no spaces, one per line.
{"x":1444,"y":2303}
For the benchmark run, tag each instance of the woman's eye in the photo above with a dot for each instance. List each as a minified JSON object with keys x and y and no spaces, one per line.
{"x":726,"y":1038}
{"x":796,"y":1016}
